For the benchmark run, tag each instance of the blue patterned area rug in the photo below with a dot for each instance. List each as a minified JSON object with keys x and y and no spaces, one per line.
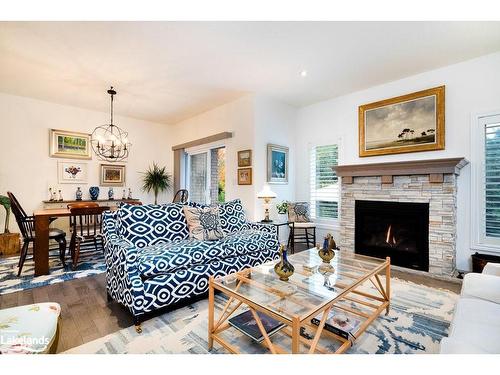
{"x":91,"y":263}
{"x":419,"y":318}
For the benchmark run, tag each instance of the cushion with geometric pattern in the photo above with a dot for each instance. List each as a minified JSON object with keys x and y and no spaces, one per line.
{"x":232,"y":216}
{"x":152,"y":224}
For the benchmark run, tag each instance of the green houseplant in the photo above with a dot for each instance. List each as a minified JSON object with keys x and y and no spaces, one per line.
{"x":157,"y":180}
{"x":5,"y":202}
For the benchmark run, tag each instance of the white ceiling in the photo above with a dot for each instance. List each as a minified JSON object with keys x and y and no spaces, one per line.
{"x":169,"y":71}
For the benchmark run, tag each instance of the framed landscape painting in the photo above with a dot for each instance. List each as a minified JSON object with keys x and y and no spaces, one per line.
{"x":70,"y":172}
{"x":67,"y":144}
{"x":277,"y":164}
{"x":408,"y":123}
{"x":112,"y":175}
{"x":245,"y":158}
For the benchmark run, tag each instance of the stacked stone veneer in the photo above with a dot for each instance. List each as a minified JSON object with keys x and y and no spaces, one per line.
{"x":441,"y":197}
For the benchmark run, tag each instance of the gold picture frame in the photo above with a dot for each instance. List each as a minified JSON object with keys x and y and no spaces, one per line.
{"x":69,"y":144}
{"x":408,"y":123}
{"x":245,"y":176}
{"x":245,"y":158}
{"x":112,"y":175}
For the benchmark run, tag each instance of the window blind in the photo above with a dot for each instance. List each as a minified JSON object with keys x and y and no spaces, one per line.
{"x":324,"y":185}
{"x":492,"y":179}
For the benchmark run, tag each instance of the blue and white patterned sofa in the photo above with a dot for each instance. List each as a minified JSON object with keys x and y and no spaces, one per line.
{"x":151,"y":262}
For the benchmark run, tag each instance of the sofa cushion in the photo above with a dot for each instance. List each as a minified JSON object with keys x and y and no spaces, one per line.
{"x":247,"y":241}
{"x":475,"y":323}
{"x":152,"y":224}
{"x":483,"y":286}
{"x":167,"y":257}
{"x":232,"y":216}
{"x":203,"y":223}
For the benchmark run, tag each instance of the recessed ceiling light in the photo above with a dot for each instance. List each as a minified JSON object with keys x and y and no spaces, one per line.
{"x":303,"y":73}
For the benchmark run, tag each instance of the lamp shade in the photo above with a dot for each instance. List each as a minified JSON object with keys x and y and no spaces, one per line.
{"x":266,"y":192}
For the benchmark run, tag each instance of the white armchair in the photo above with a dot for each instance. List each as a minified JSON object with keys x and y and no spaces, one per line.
{"x":476,"y":323}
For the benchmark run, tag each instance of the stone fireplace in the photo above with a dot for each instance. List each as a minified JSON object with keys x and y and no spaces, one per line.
{"x":405,"y":210}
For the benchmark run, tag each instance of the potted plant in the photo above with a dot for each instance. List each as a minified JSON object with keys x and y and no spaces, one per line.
{"x":5,"y":202}
{"x":9,"y":242}
{"x":157,"y":180}
{"x":282,"y":211}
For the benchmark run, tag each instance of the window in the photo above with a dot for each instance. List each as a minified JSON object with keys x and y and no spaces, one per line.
{"x":205,"y":174}
{"x":486,"y":174}
{"x":324,"y":183}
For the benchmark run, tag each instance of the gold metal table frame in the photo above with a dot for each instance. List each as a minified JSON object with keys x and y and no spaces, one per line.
{"x":358,"y":270}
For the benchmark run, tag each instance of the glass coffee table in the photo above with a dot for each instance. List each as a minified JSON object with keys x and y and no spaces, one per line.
{"x":352,"y":284}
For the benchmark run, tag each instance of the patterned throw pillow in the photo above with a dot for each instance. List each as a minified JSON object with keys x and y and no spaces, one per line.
{"x":204,"y":223}
{"x":151,"y":224}
{"x":232,"y":216}
{"x":298,"y":212}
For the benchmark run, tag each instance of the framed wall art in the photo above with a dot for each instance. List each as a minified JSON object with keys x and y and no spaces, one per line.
{"x":245,"y":176}
{"x":408,"y":123}
{"x":71,"y":172}
{"x":245,"y":158}
{"x":68,"y":144}
{"x":277,"y":164}
{"x":112,"y":175}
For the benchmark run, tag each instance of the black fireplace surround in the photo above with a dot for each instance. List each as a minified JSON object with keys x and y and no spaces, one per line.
{"x":399,"y":230}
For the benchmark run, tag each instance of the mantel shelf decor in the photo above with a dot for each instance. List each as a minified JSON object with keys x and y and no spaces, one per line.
{"x":110,"y":142}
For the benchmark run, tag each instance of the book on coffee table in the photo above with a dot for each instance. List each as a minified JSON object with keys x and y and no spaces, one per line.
{"x":245,"y":323}
{"x":340,"y":322}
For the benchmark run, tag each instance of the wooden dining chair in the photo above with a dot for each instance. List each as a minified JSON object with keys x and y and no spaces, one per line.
{"x":27,"y":227}
{"x":86,"y":226}
{"x":181,"y":196}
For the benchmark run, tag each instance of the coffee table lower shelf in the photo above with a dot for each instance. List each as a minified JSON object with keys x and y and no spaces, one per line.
{"x":375,"y":303}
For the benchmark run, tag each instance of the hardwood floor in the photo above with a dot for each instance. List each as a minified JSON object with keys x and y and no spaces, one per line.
{"x":86,"y":314}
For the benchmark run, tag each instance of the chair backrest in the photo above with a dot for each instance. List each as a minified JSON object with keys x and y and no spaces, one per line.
{"x":86,"y":218}
{"x":25,"y":222}
{"x":181,"y":196}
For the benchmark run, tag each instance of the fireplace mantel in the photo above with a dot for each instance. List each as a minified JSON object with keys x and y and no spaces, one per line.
{"x":435,"y":168}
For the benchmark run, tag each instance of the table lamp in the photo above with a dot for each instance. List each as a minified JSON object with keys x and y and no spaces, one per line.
{"x":267,"y":194}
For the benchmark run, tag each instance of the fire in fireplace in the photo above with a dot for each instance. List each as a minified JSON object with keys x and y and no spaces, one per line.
{"x":399,"y":230}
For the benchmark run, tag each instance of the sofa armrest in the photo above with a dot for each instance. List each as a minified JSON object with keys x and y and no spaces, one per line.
{"x":492,"y":269}
{"x":482,"y":286}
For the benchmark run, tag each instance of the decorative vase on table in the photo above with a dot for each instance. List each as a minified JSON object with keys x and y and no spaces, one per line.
{"x":78,"y":194}
{"x":111,"y":194}
{"x":284,"y":269}
{"x":327,"y":253}
{"x":94,"y":192}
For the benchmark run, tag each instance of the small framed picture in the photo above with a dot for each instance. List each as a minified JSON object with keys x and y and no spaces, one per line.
{"x":112,"y":175}
{"x":245,"y":176}
{"x":277,"y":164}
{"x":70,"y":172}
{"x":69,"y":145}
{"x":245,"y":158}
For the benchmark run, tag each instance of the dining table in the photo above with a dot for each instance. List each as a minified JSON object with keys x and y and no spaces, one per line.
{"x":41,"y":248}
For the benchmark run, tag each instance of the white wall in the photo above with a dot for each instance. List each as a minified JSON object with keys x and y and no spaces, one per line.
{"x":27,"y":170}
{"x":471,"y":87}
{"x":275,"y":124}
{"x":236,"y":117}
{"x":254,"y":121}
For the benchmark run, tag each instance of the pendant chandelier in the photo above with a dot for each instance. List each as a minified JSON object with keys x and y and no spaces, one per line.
{"x":109,"y":142}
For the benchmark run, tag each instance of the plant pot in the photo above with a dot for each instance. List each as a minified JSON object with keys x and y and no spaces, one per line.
{"x":9,"y":243}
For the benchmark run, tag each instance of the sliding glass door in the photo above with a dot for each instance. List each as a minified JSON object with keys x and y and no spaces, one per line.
{"x":198,"y":178}
{"x":205,"y":176}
